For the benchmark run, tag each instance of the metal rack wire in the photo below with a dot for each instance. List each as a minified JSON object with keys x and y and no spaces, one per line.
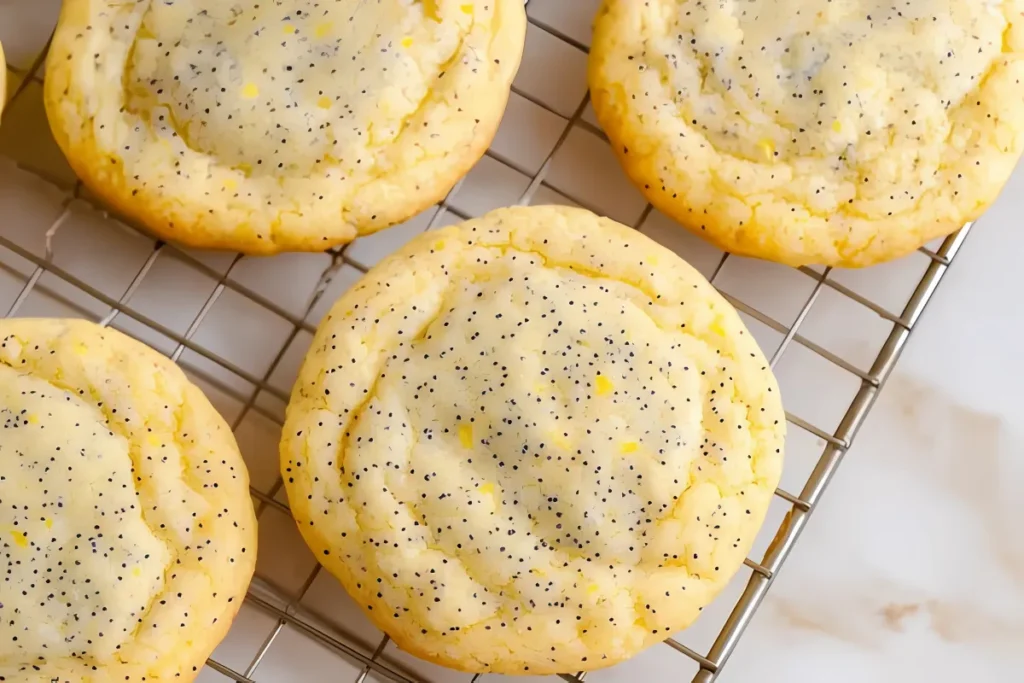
{"x":287,"y":610}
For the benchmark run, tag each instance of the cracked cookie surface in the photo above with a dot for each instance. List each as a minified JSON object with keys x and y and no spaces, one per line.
{"x":535,"y":442}
{"x":280,"y":125}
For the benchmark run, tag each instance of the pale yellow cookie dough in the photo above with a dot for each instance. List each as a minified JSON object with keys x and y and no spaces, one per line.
{"x":811,"y":131}
{"x":288,"y":125}
{"x":126,"y":526}
{"x":535,"y":442}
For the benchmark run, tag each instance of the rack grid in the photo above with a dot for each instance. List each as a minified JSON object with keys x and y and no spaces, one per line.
{"x":371,"y":660}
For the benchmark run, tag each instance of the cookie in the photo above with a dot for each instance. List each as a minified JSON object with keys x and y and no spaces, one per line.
{"x":811,"y":131}
{"x":126,"y":527}
{"x":536,"y":442}
{"x":270,"y":126}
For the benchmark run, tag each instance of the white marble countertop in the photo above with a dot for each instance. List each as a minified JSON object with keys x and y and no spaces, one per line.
{"x":912,"y":566}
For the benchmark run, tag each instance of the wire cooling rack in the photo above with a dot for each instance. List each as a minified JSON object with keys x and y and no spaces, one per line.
{"x":40,"y":271}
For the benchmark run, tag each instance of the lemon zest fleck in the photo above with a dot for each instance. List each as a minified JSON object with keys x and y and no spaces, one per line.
{"x":466,"y":435}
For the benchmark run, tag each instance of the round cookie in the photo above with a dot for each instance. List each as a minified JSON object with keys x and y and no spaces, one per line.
{"x":270,"y":126}
{"x":126,"y":526}
{"x":532,"y":443}
{"x":811,"y":131}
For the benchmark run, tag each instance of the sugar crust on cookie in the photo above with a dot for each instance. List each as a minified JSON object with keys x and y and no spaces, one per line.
{"x":127,"y":527}
{"x":533,"y":443}
{"x":842,"y":133}
{"x":271,"y":126}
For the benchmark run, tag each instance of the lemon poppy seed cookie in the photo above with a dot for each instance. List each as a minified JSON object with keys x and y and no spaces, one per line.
{"x":126,"y":525}
{"x":811,"y":131}
{"x":286,"y":125}
{"x":531,"y":443}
